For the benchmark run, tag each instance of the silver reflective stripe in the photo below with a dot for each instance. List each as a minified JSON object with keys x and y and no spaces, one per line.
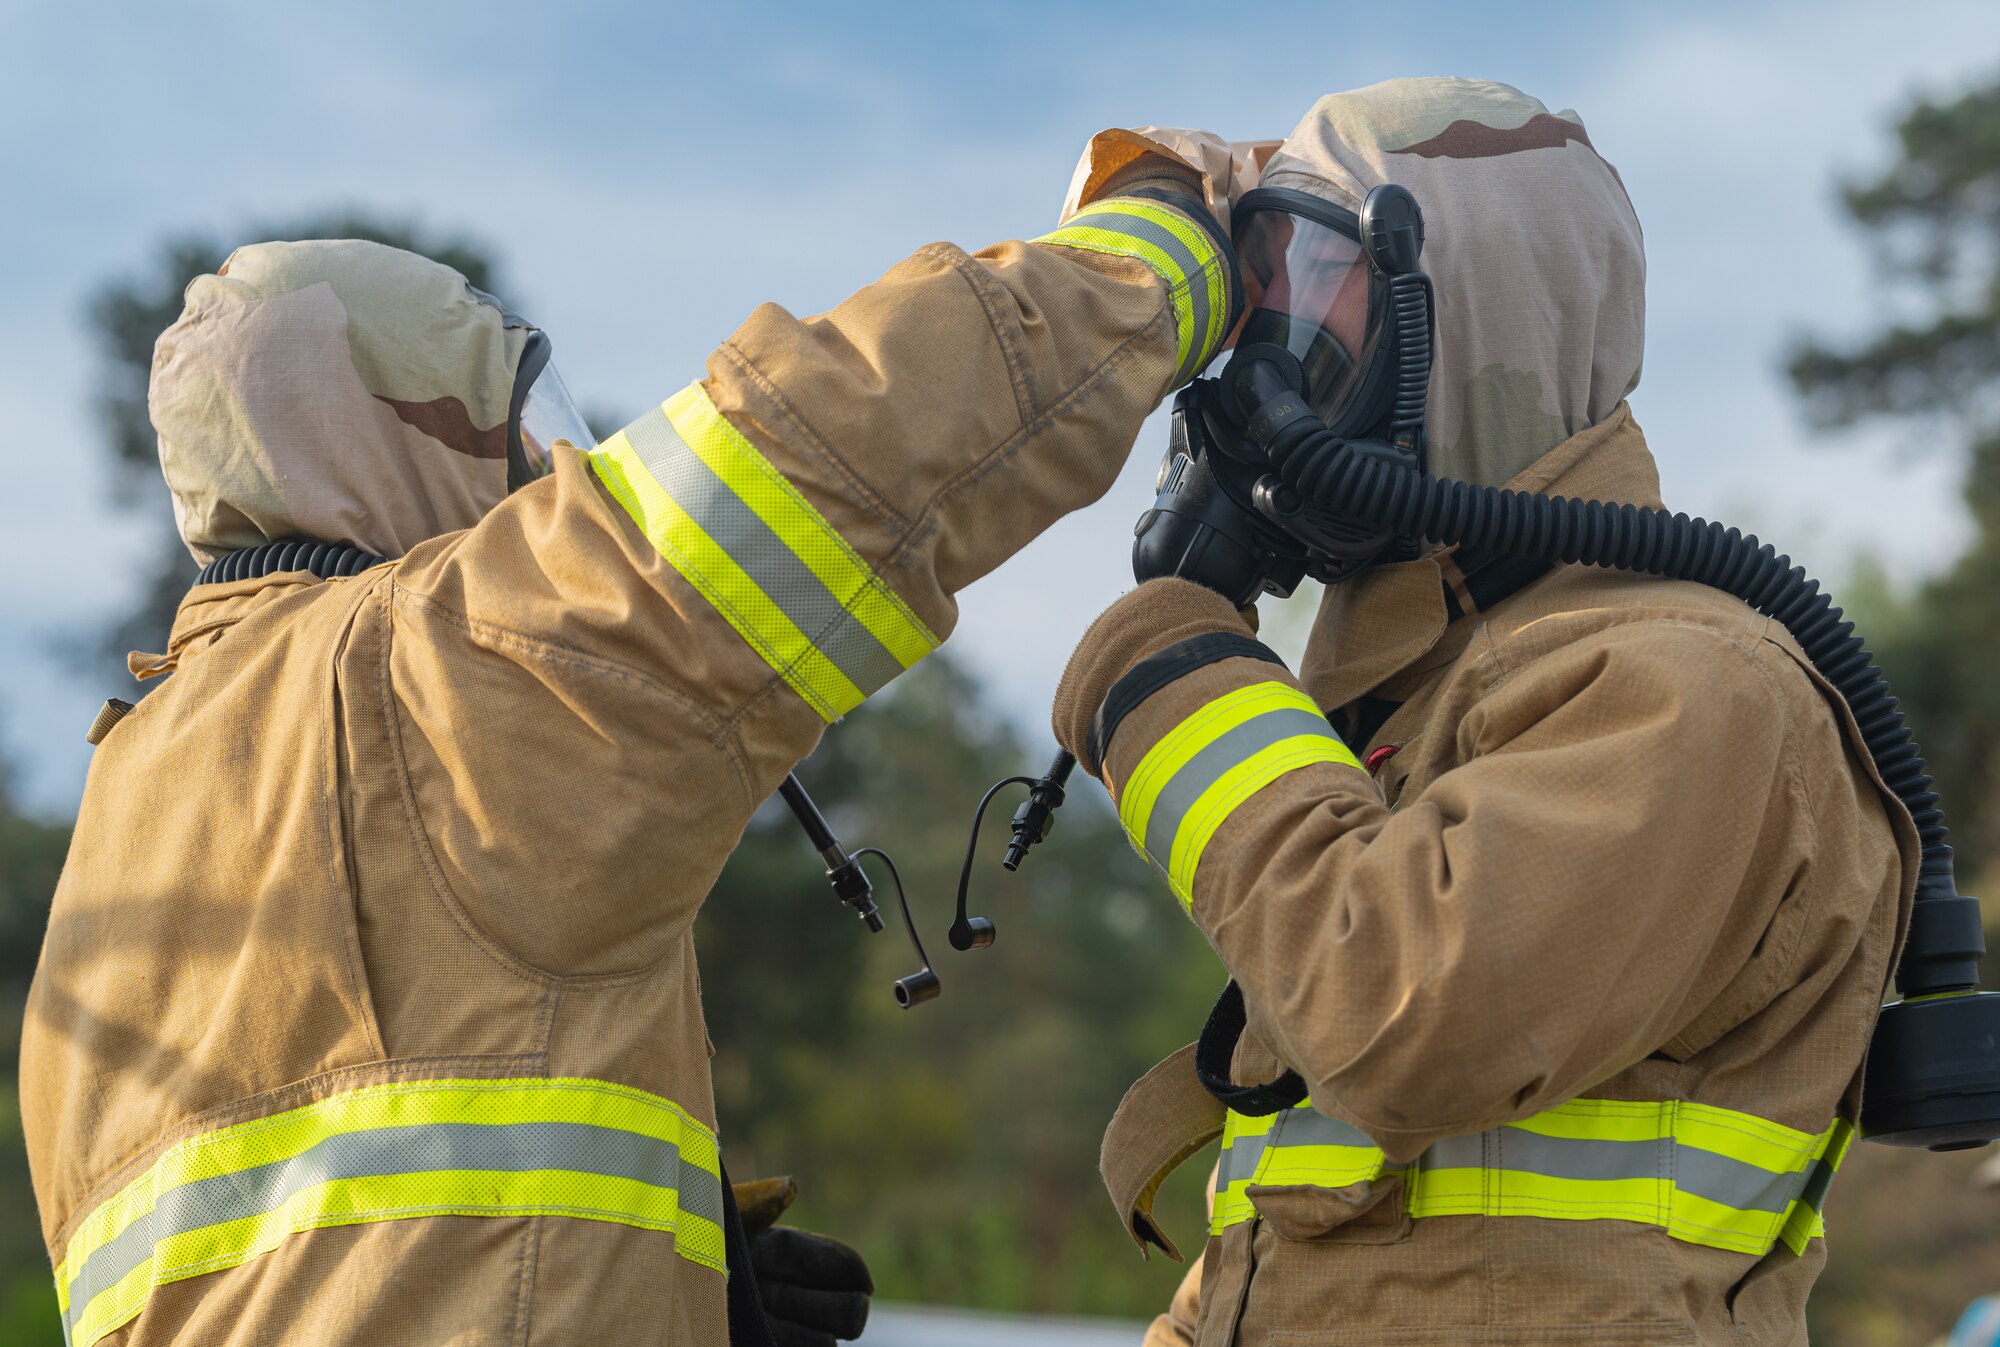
{"x":790,"y":584}
{"x":1205,"y":768}
{"x":1719,"y":1178}
{"x":1310,"y":1127}
{"x":1146,"y":231}
{"x":1297,"y":1127}
{"x":506,"y":1147}
{"x":1239,"y":1159}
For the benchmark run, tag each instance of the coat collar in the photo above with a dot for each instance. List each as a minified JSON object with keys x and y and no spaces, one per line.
{"x":1397,"y":619}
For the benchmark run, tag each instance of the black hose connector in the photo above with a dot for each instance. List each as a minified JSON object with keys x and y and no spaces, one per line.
{"x":1933,"y":1073}
{"x":843,"y":871}
{"x":1036,"y":819}
{"x":917,"y":988}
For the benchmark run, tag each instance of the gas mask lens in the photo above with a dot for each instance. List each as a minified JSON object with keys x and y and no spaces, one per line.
{"x":1306,"y":281}
{"x":548,"y":414}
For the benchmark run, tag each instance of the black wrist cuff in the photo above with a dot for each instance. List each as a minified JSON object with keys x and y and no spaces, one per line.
{"x":1154,"y":672}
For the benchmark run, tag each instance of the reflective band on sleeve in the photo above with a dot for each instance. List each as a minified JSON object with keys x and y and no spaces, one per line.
{"x":1705,"y":1175}
{"x":754,"y":546}
{"x":1185,"y":258}
{"x":1194,"y":778}
{"x":584,"y":1149}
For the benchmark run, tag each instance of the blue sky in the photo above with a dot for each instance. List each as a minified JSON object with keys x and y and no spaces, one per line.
{"x":650,"y":173}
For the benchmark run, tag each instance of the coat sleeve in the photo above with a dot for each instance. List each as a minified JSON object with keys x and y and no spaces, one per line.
{"x":607,"y":676}
{"x":1546,"y":914}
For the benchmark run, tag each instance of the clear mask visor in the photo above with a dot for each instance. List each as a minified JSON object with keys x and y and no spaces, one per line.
{"x":1307,"y":288}
{"x":549,"y":416}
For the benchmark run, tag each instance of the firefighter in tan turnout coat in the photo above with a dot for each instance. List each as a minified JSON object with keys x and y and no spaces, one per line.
{"x":368,"y":1011}
{"x":1570,"y":900}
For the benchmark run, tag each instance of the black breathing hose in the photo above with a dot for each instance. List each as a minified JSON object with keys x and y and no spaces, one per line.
{"x":325,"y":560}
{"x":1944,"y":944}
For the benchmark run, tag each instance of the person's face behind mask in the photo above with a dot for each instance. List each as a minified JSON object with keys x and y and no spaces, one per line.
{"x":1307,"y":290}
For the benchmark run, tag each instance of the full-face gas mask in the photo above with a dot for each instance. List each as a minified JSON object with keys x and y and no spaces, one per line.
{"x":1338,"y":338}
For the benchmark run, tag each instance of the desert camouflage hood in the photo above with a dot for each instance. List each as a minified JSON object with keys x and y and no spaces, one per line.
{"x":1532,"y":243}
{"x":337,"y":390}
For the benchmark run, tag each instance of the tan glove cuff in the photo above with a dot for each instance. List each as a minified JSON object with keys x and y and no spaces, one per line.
{"x":1155,"y":171}
{"x":1149,"y":619}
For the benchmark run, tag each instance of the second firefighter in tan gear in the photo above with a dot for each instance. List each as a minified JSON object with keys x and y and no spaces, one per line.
{"x":1570,"y":897}
{"x":369,"y":997}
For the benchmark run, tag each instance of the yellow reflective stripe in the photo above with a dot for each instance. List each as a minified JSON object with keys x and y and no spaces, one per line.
{"x":1178,"y":251}
{"x":719,"y":579}
{"x":782,"y":506}
{"x":1695,"y":1219}
{"x":1212,"y":314}
{"x":1198,"y":243}
{"x":1649,"y":1201}
{"x":1326,"y":1166}
{"x":1236,"y":1124}
{"x":404,"y":1104}
{"x":1489,"y":1192}
{"x":1165,"y":758}
{"x":1707,"y":1175}
{"x":1232,"y":1207}
{"x":1756,"y":1141}
{"x":1238,"y":784}
{"x":1109,"y":241}
{"x":584,"y":1149}
{"x":1601,"y":1120}
{"x":751,"y":544}
{"x":1230,"y":1203}
{"x":1181,"y":792}
{"x":1803,"y":1219}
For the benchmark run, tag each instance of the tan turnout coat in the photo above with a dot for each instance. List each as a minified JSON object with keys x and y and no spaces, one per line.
{"x":1625,"y":846}
{"x":453,"y":818}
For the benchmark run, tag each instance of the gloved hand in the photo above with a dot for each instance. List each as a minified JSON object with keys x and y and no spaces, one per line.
{"x":815,"y":1290}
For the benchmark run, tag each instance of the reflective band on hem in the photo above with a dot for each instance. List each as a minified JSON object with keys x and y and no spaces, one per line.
{"x":751,"y":543}
{"x":1188,"y":784}
{"x":585,"y":1149}
{"x":1178,"y":251}
{"x":1705,"y":1175}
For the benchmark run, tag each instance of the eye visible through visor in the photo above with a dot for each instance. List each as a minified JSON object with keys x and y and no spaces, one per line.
{"x":544,"y":413}
{"x":1307,"y":283}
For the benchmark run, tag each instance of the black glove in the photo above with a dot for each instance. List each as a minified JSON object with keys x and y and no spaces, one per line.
{"x":814,"y":1289}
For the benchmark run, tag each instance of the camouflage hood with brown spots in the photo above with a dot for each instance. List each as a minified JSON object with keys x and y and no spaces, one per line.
{"x":1532,"y":244}
{"x":337,"y":390}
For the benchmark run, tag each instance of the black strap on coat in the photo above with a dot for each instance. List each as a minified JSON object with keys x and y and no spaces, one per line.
{"x":747,"y":1325}
{"x":1156,"y":671}
{"x":1215,"y":1049}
